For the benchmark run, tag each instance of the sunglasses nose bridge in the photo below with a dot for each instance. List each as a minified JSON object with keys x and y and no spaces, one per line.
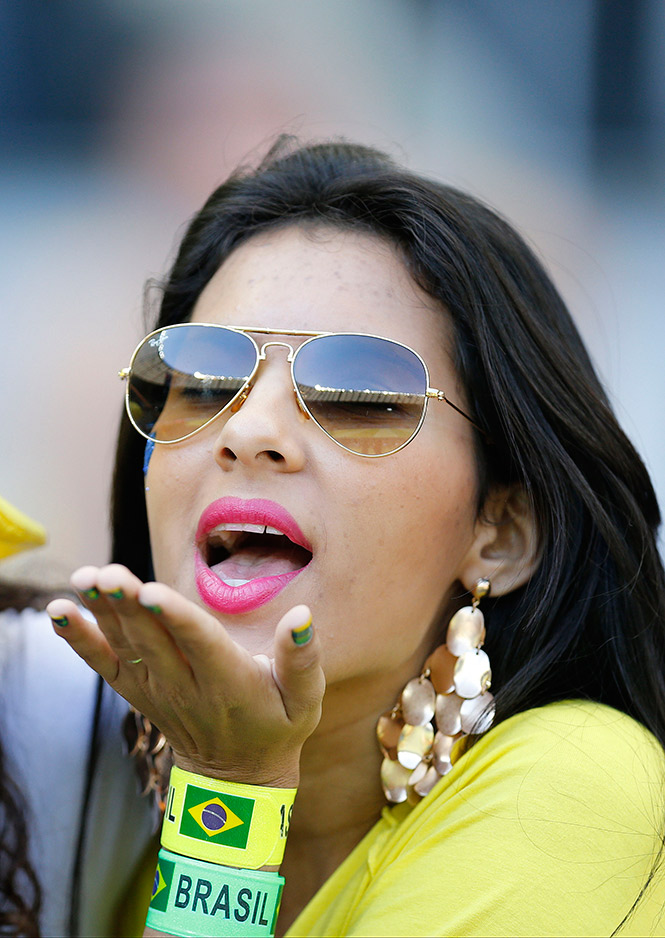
{"x":263,"y":357}
{"x":262,"y":351}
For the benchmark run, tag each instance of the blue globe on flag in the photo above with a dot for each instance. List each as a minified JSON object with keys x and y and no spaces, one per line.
{"x":213,"y":817}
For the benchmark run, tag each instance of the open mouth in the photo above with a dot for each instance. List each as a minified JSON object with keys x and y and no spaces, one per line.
{"x":247,"y":551}
{"x":238,"y":553}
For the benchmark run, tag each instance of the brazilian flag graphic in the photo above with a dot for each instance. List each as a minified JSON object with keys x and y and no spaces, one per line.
{"x":162,"y":884}
{"x":220,"y":819}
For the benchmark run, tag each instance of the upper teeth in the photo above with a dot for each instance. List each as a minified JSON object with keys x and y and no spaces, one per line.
{"x":228,"y":534}
{"x":241,"y":526}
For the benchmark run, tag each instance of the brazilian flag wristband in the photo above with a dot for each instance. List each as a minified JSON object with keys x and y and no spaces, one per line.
{"x":226,"y":822}
{"x":194,"y":898}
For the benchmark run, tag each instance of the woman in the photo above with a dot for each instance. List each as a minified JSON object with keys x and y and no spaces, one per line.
{"x":382,"y":497}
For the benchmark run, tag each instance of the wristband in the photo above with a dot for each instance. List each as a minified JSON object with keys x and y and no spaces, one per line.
{"x":226,"y":822}
{"x":194,"y":898}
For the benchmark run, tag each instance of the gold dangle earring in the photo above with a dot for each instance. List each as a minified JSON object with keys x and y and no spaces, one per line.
{"x":449,"y":700}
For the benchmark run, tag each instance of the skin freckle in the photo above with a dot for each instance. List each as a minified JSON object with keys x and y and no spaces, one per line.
{"x":371,"y":515}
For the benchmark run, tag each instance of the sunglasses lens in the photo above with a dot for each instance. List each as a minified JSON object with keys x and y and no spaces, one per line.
{"x":367,"y":393}
{"x":183,"y":376}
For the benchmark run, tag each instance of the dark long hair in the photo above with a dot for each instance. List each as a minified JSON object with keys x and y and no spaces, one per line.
{"x":590,"y":623}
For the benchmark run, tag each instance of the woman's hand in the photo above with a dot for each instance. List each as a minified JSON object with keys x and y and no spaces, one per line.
{"x":225,"y":713}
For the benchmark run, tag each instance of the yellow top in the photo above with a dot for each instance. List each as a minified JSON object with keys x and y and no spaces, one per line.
{"x":549,"y":825}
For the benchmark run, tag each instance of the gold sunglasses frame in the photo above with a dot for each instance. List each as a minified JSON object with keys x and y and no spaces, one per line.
{"x":236,"y":402}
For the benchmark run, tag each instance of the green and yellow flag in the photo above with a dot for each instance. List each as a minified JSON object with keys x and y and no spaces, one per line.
{"x":214,"y":818}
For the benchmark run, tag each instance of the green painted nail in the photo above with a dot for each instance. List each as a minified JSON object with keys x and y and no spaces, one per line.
{"x":92,"y":593}
{"x":154,"y":609}
{"x":60,"y":621}
{"x":302,"y":634}
{"x":116,"y":594}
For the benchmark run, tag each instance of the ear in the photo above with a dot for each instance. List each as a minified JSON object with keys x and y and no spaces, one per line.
{"x":505,"y":549}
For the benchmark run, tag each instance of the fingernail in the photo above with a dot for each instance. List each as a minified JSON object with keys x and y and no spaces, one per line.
{"x":92,"y":593}
{"x":153,"y":608}
{"x":303,"y":633}
{"x":115,"y":594}
{"x":60,"y":621}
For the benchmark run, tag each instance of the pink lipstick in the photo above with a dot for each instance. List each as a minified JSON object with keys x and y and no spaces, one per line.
{"x":247,"y":551}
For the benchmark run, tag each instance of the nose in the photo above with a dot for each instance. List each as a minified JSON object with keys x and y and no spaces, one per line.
{"x":265,"y":427}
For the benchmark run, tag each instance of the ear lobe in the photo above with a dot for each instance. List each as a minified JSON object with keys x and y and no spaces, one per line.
{"x":505,"y":549}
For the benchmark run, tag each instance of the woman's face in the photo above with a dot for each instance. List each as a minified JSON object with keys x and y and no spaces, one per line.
{"x":387,"y":535}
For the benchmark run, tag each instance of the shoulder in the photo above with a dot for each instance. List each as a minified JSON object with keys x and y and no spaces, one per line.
{"x":37,"y":666}
{"x":550,"y":824}
{"x":584,"y":736}
{"x":47,"y":700}
{"x":573,"y":756}
{"x":48,"y":703}
{"x":571,"y":761}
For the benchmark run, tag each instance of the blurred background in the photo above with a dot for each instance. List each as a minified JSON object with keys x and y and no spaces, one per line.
{"x":117,"y":119}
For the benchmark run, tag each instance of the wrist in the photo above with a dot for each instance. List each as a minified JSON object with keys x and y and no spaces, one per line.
{"x":218,"y":838}
{"x":285,"y":775}
{"x":229,"y":823}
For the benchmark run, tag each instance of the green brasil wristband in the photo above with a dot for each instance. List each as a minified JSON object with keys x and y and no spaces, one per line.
{"x":194,"y":898}
{"x":226,"y":822}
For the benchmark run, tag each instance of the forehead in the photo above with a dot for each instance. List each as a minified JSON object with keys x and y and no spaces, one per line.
{"x":325,"y":280}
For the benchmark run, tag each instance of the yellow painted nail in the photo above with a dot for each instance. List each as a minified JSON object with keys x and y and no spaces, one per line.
{"x":303,"y":633}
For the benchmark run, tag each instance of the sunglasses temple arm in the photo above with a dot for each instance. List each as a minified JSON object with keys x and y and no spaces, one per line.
{"x":441,"y":395}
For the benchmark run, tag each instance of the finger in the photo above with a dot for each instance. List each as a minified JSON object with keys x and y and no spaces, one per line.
{"x":144,"y":631}
{"x":297,"y":666}
{"x":84,"y":581}
{"x":107,"y":592}
{"x":126,"y":676}
{"x":201,"y":639}
{"x":84,"y":637}
{"x":130,"y":629}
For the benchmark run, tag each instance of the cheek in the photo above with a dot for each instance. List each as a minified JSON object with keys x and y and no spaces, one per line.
{"x":403,"y":541}
{"x":168,"y":496}
{"x":419,"y":523}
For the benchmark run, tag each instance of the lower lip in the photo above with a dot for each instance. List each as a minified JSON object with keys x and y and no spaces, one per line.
{"x":237,"y":599}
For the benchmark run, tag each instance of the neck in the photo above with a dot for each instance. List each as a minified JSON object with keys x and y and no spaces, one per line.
{"x":340,"y":796}
{"x":339,"y":799}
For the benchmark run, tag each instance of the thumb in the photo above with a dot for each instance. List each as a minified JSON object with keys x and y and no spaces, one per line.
{"x":297,"y":667}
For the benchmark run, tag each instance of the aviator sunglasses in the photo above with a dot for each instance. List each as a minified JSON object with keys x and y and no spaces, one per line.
{"x":367,"y":393}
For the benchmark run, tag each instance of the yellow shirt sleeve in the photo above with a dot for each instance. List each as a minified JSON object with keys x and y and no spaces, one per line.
{"x":549,"y":825}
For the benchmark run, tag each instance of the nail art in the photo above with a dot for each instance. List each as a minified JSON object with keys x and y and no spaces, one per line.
{"x":60,"y":621}
{"x":116,"y":594}
{"x":302,"y":634}
{"x":153,"y":608}
{"x":92,"y":593}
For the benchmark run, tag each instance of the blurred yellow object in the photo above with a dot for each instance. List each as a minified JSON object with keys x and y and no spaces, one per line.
{"x":17,"y":531}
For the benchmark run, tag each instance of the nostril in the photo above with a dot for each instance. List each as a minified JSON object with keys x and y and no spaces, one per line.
{"x":274,"y":455}
{"x":227,"y":453}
